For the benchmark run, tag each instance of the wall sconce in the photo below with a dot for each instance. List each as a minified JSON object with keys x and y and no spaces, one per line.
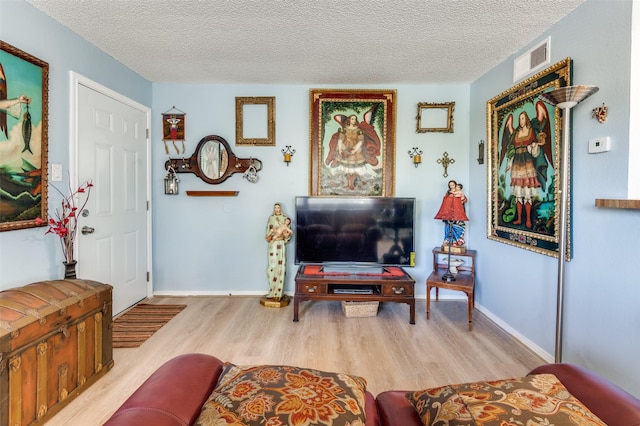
{"x":288,"y":153}
{"x":481,"y":152}
{"x":600,"y":113}
{"x":416,"y":155}
{"x":171,"y":182}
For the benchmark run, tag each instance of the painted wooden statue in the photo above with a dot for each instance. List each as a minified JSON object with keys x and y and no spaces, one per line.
{"x":278,"y":234}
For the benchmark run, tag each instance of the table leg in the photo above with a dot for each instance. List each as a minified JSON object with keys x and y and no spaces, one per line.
{"x":296,"y":302}
{"x":428,"y":300}
{"x":471,"y":303}
{"x":412,"y":312}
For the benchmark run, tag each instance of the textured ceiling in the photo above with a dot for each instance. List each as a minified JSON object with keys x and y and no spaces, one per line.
{"x":309,"y":41}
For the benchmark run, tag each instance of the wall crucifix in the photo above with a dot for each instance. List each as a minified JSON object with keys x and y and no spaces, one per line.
{"x":445,"y":161}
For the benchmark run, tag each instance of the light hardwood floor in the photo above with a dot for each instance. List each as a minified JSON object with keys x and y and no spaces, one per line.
{"x":386,"y":350}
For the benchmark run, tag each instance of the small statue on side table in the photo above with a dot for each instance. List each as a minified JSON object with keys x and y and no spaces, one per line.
{"x":453,"y":205}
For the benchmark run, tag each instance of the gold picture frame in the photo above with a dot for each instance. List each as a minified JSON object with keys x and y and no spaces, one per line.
{"x":524,"y":134}
{"x":251,"y":111}
{"x":352,"y":142}
{"x":435,"y":117}
{"x":24,"y":124}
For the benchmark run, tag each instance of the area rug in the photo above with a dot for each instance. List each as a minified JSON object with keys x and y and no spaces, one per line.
{"x":135,"y":326}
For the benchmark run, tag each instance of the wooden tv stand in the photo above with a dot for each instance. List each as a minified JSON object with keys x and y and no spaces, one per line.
{"x":393,"y":285}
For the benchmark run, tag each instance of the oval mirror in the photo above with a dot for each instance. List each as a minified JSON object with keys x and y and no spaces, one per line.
{"x":213,"y":159}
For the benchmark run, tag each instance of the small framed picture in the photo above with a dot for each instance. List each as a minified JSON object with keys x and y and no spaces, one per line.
{"x":433,"y":117}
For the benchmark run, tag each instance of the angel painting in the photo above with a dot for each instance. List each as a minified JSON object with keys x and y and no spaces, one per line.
{"x":352,"y":136}
{"x":526,"y":146}
{"x":354,"y":149}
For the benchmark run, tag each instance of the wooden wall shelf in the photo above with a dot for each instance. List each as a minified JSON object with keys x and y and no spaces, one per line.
{"x":618,"y":204}
{"x":212,"y":193}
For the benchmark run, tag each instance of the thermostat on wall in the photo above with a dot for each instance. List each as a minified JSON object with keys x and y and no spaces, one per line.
{"x":599,"y":145}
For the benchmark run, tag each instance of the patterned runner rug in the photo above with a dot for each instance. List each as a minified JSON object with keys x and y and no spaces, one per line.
{"x":135,"y":326}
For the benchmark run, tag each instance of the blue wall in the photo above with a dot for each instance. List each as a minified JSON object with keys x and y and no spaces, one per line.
{"x":213,"y":238}
{"x":28,"y":255}
{"x":215,"y":245}
{"x":518,"y":287}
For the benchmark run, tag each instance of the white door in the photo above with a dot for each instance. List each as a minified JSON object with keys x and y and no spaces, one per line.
{"x":112,"y":152}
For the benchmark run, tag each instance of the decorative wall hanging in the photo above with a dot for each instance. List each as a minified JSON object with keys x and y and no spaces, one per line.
{"x":445,"y":161}
{"x":434,"y":117}
{"x":256,"y":121}
{"x":416,"y":155}
{"x":352,"y":142}
{"x":213,"y":162}
{"x":524,"y":135}
{"x":24,"y":100}
{"x":173,"y":129}
{"x":600,"y":113}
{"x":481,"y":152}
{"x":287,"y":153}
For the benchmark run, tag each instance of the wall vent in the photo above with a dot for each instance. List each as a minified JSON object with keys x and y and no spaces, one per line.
{"x":532,"y":60}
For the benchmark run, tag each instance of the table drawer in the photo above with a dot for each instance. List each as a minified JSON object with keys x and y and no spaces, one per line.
{"x":397,"y":290}
{"x":311,"y":288}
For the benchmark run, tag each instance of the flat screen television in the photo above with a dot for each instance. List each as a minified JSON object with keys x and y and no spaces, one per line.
{"x":355,"y":231}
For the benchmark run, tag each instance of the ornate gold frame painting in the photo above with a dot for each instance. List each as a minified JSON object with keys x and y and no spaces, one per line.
{"x":433,"y":117}
{"x":23,"y":138}
{"x":258,"y":113}
{"x":352,"y":137}
{"x":524,"y":135}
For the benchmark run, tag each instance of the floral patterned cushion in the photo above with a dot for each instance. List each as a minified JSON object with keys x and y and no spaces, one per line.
{"x":532,"y":400}
{"x":271,"y":395}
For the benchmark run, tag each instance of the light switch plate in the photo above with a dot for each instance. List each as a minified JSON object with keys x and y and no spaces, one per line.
{"x":56,"y":173}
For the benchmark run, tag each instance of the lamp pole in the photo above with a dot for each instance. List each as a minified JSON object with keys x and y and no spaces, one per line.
{"x":564,"y":98}
{"x":562,"y":232}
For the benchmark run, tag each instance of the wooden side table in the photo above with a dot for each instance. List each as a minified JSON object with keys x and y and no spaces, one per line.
{"x":465,"y":279}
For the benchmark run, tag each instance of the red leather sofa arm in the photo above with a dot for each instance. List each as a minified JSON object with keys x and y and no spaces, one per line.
{"x":395,"y":409}
{"x":173,"y":395}
{"x":371,"y":410}
{"x":611,"y":404}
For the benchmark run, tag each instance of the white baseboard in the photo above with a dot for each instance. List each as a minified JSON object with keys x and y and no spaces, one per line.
{"x":503,"y":325}
{"x":516,"y":335}
{"x":191,"y":293}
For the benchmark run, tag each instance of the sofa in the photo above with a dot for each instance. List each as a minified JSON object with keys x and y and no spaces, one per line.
{"x":176,"y":393}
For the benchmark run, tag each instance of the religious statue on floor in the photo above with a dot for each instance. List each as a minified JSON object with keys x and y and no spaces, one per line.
{"x":278,"y":234}
{"x":453,"y":205}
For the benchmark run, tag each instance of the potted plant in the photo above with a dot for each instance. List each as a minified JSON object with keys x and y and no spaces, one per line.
{"x":64,"y":223}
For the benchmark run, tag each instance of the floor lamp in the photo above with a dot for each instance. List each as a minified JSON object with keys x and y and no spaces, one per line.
{"x":564,"y":98}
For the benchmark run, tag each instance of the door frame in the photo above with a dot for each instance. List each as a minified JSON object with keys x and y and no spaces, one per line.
{"x":76,"y":80}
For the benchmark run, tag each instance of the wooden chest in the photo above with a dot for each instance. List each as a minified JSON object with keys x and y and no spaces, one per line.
{"x":55,"y":341}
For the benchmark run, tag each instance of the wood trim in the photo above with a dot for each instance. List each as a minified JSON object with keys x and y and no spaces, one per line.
{"x":212,"y":193}
{"x":97,"y":351}
{"x":618,"y":204}
{"x":82,"y":349}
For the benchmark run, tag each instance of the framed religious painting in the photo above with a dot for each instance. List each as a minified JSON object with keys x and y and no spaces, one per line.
{"x":23,"y":138}
{"x":524,"y":135}
{"x":352,"y":136}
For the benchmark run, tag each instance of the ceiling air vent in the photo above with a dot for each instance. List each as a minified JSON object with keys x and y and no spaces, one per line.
{"x":532,"y":60}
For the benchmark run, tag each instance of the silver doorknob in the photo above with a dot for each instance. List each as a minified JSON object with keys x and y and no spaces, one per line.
{"x":87,"y":230}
